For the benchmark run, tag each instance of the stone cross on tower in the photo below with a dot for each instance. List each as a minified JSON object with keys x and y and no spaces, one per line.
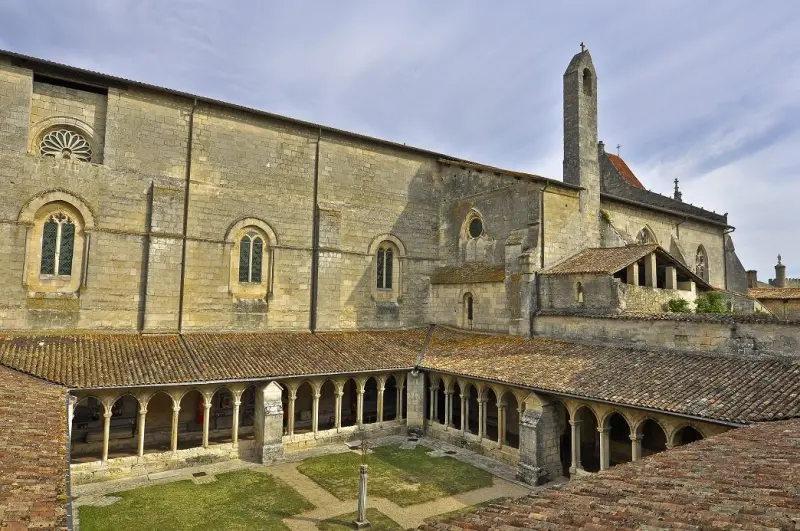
{"x":583,"y":48}
{"x":678,"y":196}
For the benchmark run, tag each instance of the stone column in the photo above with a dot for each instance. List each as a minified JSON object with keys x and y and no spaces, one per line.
{"x":448,"y":408}
{"x":360,"y":408}
{"x":669,"y":445}
{"x":399,"y":409}
{"x":432,"y":403}
{"x":464,"y":414}
{"x":206,"y":420}
{"x":481,"y":418}
{"x":174,"y":437}
{"x":361,"y":515}
{"x":338,"y":413}
{"x":315,"y":413}
{"x":604,"y":440}
{"x":672,"y":277}
{"x":235,"y":426}
{"x":269,"y":421}
{"x":636,"y":447}
{"x":501,"y":424}
{"x":539,"y":442}
{"x":435,"y":401}
{"x":381,"y":390}
{"x":650,"y":270}
{"x":415,"y":395}
{"x":632,"y":274}
{"x":72,"y":402}
{"x":290,"y":416}
{"x":106,"y":432}
{"x":142,"y":418}
{"x":575,"y":446}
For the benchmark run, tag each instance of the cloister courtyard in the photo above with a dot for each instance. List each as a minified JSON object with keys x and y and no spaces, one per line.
{"x":411,"y":480}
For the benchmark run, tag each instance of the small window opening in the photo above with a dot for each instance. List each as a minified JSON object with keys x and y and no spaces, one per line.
{"x":251,"y":255}
{"x":579,"y":293}
{"x":469,"y":308}
{"x":587,"y":82}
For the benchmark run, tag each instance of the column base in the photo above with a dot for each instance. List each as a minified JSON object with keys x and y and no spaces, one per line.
{"x":532,"y":475}
{"x":362,"y":524}
{"x":271,"y":452}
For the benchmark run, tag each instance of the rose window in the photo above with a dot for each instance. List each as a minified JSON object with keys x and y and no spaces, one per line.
{"x":65,"y":144}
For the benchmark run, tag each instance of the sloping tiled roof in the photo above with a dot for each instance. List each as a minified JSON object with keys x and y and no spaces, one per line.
{"x":33,"y":447}
{"x":721,"y":388}
{"x":606,"y":260}
{"x":470,"y":272}
{"x":120,"y":360}
{"x":743,"y":479}
{"x":624,"y":171}
{"x":774,"y":293}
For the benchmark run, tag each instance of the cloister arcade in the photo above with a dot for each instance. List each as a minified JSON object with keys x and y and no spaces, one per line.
{"x":601,"y":435}
{"x":138,"y":422}
{"x":501,"y":421}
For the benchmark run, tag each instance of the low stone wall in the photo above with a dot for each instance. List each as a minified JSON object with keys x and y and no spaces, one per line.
{"x":122,"y":467}
{"x":471,"y":442}
{"x":302,"y":441}
{"x":651,"y":300}
{"x":721,"y":334}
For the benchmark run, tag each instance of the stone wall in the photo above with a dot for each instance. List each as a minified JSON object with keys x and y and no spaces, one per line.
{"x":784,"y":309}
{"x":601,"y":293}
{"x":689,"y":333}
{"x":645,"y":299}
{"x":562,"y":236}
{"x":686,"y":234}
{"x":489,"y":307}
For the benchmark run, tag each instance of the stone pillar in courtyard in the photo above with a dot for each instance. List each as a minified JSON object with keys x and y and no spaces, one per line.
{"x":269,"y":422}
{"x":539,"y":442}
{"x":415,"y":398}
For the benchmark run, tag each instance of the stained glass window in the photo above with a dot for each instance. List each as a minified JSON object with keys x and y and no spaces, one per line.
{"x":255,"y":266}
{"x":58,"y":243}
{"x":244,"y":259}
{"x":381,"y":259}
{"x":387,"y":277}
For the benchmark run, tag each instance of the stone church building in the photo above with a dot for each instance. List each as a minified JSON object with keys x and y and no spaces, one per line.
{"x":206,"y":280}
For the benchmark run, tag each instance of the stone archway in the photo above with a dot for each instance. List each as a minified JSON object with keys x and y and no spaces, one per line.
{"x":512,"y":407}
{"x":190,"y":420}
{"x":370,"y":411}
{"x":158,"y":423}
{"x":349,"y":403}
{"x":686,"y":435}
{"x":619,"y":439}
{"x":455,"y":406}
{"x":327,"y":406}
{"x":472,"y":408}
{"x":589,"y":439}
{"x":303,"y":408}
{"x":492,"y":416}
{"x":654,"y":439}
{"x":390,"y":398}
{"x":441,"y":403}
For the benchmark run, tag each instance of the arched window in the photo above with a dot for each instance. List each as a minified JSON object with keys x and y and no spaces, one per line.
{"x":587,"y":82}
{"x":473,"y":226}
{"x":58,"y":244}
{"x":385,"y":261}
{"x":251,"y":255}
{"x":579,"y":293}
{"x":65,"y":144}
{"x":701,"y":263}
{"x":646,"y":236}
{"x":468,"y":310}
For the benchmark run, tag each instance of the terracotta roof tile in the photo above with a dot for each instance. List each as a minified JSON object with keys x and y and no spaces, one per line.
{"x":774,"y":293}
{"x":33,"y":448}
{"x":624,"y":171}
{"x":470,"y":272}
{"x":120,"y":360}
{"x":743,"y":479}
{"x":605,"y":260}
{"x":721,"y":388}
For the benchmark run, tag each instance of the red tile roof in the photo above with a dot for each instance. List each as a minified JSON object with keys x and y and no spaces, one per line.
{"x":774,"y":293}
{"x":744,"y":479}
{"x":33,"y":448}
{"x":605,"y":260}
{"x":624,"y":171}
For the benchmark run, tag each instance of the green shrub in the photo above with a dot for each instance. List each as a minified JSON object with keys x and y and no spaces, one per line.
{"x":713,"y":302}
{"x":679,"y":306}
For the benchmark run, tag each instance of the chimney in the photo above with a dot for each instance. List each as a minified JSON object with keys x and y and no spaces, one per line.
{"x":780,"y":274}
{"x":752,"y":278}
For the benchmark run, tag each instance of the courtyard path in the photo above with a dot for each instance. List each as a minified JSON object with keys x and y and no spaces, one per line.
{"x":413,"y":516}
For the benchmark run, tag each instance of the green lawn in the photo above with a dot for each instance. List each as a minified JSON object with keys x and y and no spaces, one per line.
{"x":241,"y":500}
{"x":377,"y":520}
{"x":406,"y":477}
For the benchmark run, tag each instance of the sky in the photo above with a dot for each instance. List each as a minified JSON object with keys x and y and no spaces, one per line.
{"x":704,"y":91}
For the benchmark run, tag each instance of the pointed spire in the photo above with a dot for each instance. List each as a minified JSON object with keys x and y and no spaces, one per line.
{"x":678,"y":196}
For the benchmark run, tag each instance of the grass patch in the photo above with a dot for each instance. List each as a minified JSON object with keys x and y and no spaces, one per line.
{"x":407,"y":477}
{"x":378,"y":522}
{"x":464,"y":510}
{"x":240,"y":500}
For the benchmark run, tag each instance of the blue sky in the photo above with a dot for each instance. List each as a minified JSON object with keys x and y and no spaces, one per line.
{"x":706,"y":91}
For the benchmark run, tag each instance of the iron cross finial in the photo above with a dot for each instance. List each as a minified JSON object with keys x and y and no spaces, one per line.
{"x":583,"y":48}
{"x":779,"y":259}
{"x":618,"y":146}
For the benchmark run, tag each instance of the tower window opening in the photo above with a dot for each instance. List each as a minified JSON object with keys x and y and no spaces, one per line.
{"x":587,"y":82}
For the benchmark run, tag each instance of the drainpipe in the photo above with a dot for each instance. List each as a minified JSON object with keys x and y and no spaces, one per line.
{"x":312,"y":319}
{"x":186,"y":214}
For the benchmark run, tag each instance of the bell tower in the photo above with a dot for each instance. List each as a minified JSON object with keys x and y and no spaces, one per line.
{"x":581,"y":165}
